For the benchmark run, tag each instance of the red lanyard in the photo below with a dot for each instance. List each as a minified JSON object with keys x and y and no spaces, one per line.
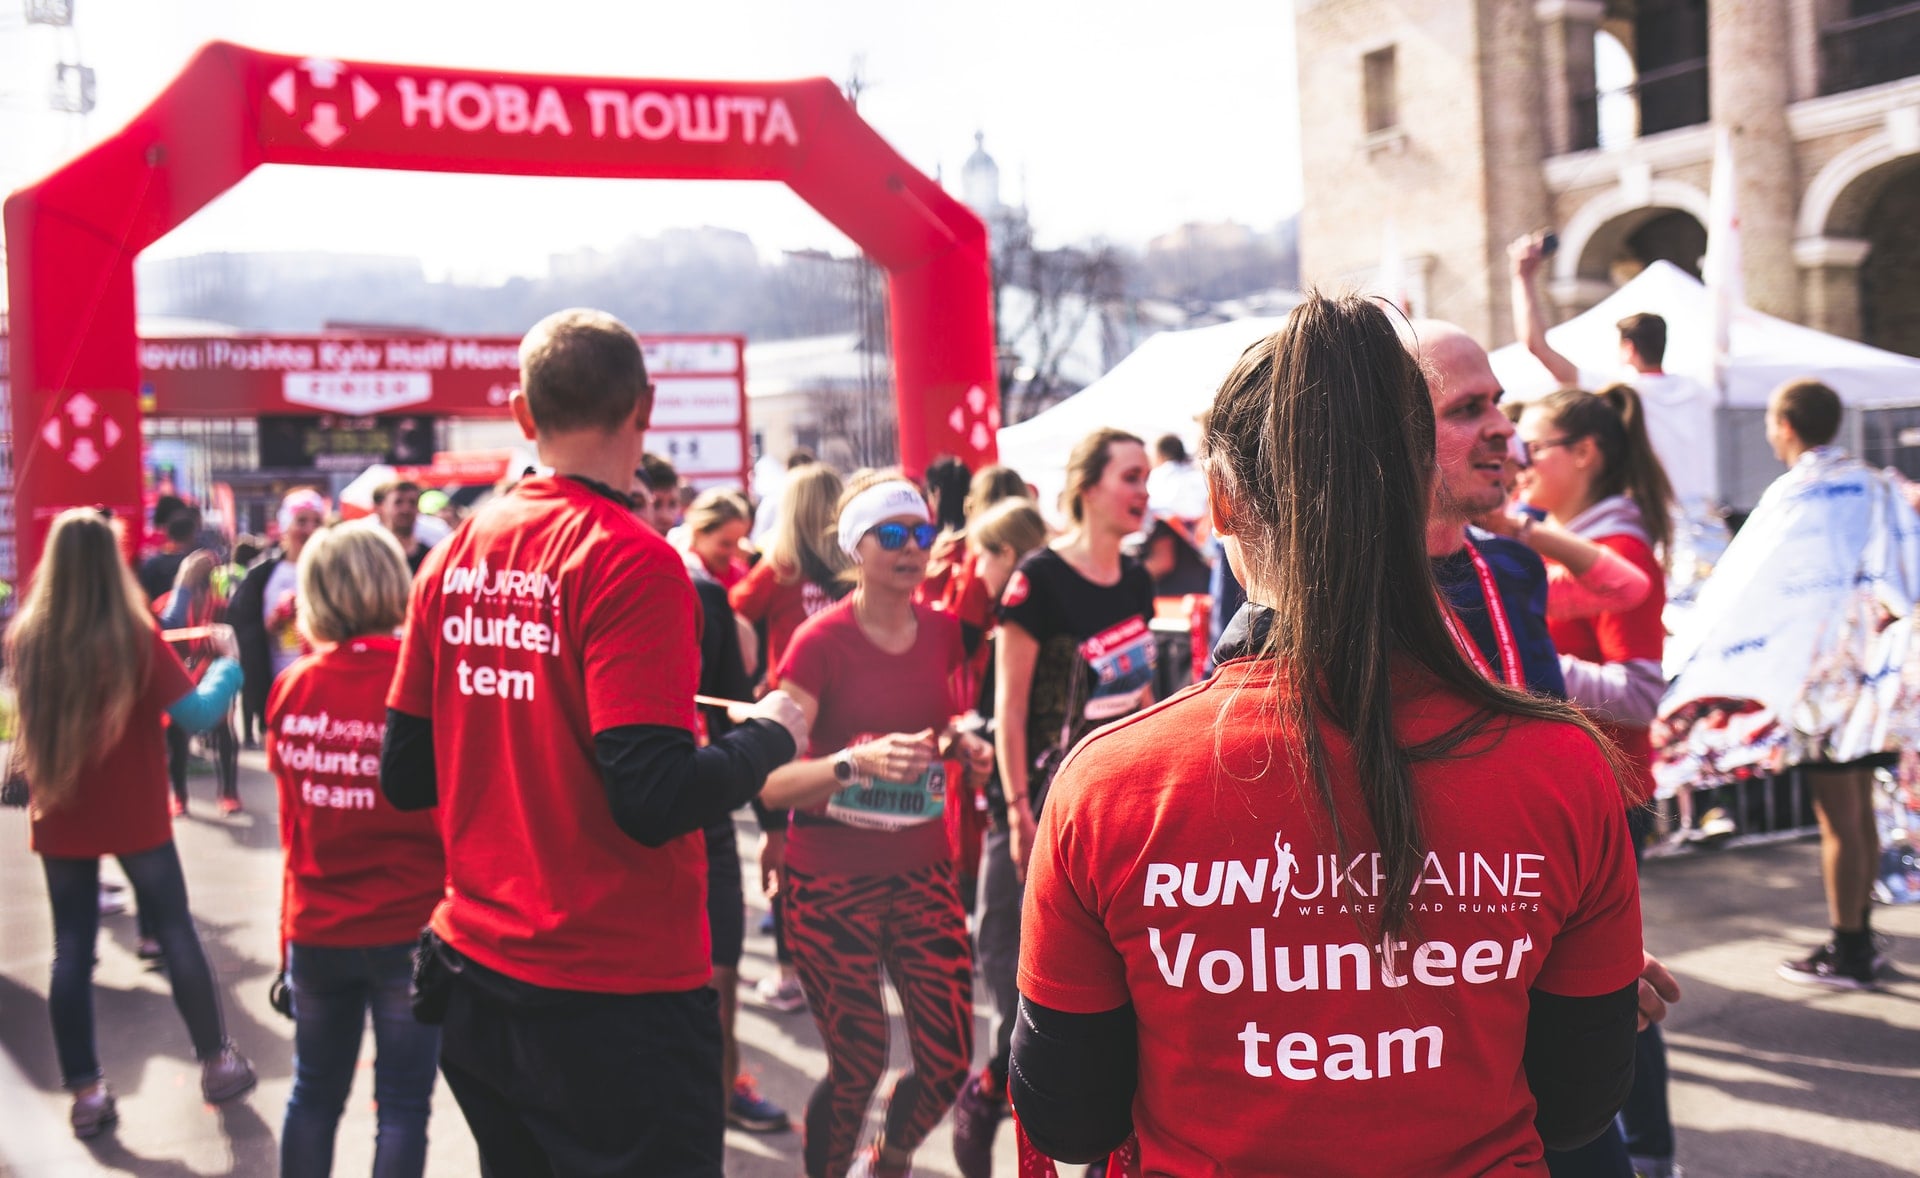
{"x":1516,"y":675}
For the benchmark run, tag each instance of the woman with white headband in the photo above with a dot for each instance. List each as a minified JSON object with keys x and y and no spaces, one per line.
{"x":869,"y":875}
{"x":262,"y":610}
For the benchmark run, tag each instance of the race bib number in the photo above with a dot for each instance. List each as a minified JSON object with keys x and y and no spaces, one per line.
{"x":1122,"y":659}
{"x":873,"y":803}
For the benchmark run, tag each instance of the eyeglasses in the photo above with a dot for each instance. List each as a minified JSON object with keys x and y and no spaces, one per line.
{"x":894,"y":537}
{"x":1532,"y":449}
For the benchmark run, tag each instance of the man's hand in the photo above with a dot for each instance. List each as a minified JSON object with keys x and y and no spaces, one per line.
{"x":1526,"y":256}
{"x":779,"y":707}
{"x":773,"y":861}
{"x":221,"y":638}
{"x":1658,"y":987}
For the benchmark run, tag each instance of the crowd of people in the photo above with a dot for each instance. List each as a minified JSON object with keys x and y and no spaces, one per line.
{"x":1390,"y":830}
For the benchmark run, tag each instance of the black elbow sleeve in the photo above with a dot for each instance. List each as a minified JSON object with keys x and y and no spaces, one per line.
{"x":1579,"y":1062}
{"x":408,"y":775}
{"x":1072,"y":1079}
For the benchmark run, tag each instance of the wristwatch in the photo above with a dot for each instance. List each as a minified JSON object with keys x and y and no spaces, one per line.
{"x":843,"y":768}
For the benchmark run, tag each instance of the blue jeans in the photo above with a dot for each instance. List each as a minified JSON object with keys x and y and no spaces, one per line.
{"x":159,"y":888}
{"x":333,"y":989}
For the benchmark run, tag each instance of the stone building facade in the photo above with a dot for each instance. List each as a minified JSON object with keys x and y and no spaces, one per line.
{"x":1465,"y":123}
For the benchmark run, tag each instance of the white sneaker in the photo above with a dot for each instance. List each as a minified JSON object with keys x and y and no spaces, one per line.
{"x":782,"y":994}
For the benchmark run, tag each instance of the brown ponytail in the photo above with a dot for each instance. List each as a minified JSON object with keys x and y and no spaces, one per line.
{"x":1617,"y":422}
{"x":1320,"y":449}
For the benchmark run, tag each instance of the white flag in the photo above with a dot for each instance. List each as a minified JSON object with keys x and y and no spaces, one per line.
{"x":1390,"y":280}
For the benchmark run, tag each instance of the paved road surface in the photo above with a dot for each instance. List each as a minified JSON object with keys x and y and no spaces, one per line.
{"x":1769,"y":1079}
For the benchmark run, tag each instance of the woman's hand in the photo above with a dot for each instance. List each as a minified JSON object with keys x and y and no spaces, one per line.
{"x":898,"y":756}
{"x":1021,"y":829}
{"x":974,"y":754}
{"x":1500,"y":523}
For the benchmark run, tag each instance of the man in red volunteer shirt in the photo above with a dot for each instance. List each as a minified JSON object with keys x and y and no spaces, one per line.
{"x":545,"y":702}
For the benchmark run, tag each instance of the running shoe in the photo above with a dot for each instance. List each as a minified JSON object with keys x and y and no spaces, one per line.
{"x":976,"y":1118}
{"x":149,"y":950}
{"x":113,"y":899}
{"x":782,"y":994}
{"x":1826,"y":966}
{"x":1716,"y":824}
{"x":747,"y":1109}
{"x":229,"y":806}
{"x":93,"y":1111}
{"x":867,"y":1164}
{"x":176,"y":806}
{"x":226,"y":1076}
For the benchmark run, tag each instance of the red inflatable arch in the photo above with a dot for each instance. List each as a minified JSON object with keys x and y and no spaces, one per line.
{"x":73,"y":237}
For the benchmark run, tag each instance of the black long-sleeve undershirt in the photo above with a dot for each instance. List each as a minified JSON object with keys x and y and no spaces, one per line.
{"x":1579,"y":1061}
{"x":1073,"y":1076}
{"x":659,"y":785}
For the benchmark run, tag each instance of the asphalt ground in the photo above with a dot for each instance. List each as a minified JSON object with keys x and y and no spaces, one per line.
{"x":1768,"y":1078}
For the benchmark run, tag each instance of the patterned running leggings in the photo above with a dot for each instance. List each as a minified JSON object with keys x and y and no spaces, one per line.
{"x":843,"y":931}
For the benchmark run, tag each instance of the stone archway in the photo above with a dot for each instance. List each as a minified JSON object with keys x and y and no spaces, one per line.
{"x":1620,"y":232}
{"x":1859,"y":244}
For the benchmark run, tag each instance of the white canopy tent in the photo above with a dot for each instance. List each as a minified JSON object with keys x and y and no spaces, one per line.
{"x":1160,"y":388}
{"x":1765,"y":352}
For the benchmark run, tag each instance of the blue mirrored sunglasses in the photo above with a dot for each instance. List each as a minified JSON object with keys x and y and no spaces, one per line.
{"x":893,"y":537}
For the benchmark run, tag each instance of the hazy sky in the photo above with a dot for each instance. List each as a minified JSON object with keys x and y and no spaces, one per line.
{"x":1124,"y":118}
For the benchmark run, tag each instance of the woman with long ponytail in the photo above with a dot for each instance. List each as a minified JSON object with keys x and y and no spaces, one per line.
{"x":94,"y":678}
{"x":1346,"y":857}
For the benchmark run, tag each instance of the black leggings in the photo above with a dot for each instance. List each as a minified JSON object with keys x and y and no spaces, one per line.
{"x":226,"y":758}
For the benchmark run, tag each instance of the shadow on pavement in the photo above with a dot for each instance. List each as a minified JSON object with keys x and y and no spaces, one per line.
{"x":249,"y":1138}
{"x":1771,"y":1155}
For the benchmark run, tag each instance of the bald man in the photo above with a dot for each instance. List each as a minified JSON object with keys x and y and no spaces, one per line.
{"x":1509,"y":632}
{"x":1471,"y":438}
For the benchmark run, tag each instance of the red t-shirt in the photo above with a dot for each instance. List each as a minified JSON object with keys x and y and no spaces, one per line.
{"x":359,"y":873}
{"x":119,"y":804}
{"x":877,"y":827}
{"x":549,"y":616}
{"x":1183,"y":867}
{"x":762,"y":596}
{"x":1620,"y":636}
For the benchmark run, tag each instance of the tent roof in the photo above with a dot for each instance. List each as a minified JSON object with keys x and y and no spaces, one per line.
{"x":1158,"y":389}
{"x":1766,"y":352}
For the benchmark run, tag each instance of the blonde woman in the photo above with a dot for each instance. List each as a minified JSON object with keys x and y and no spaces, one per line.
{"x":94,"y":679}
{"x":804,"y":568}
{"x":361,"y":877}
{"x":716,"y":523}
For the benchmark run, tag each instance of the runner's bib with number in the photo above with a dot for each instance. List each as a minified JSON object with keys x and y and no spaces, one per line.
{"x":874,"y":803}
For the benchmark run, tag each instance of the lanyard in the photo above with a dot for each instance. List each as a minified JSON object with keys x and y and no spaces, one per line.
{"x":1516,"y":675}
